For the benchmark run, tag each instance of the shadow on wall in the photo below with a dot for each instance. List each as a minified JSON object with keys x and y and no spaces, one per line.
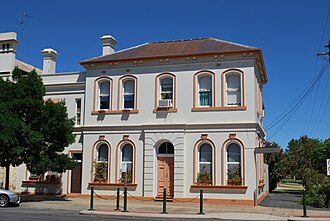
{"x":43,"y":187}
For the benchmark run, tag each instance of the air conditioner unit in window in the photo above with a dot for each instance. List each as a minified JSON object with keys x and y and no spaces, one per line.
{"x":165,"y":103}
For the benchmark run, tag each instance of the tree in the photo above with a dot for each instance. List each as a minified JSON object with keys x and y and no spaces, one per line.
{"x":276,"y":165}
{"x":300,"y":155}
{"x":33,"y":131}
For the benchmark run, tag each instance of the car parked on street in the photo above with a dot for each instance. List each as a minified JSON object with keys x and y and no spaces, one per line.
{"x":8,"y":197}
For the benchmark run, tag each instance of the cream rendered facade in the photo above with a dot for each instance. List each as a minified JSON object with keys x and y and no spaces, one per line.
{"x":184,"y":124}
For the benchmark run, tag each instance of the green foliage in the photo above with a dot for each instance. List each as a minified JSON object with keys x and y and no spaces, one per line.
{"x":204,"y":177}
{"x":318,"y":192}
{"x":33,"y":132}
{"x":307,"y":160}
{"x":277,"y":166}
{"x":129,"y":175}
{"x":101,"y":172}
{"x":320,"y":154}
{"x":234,"y":177}
{"x":300,"y":155}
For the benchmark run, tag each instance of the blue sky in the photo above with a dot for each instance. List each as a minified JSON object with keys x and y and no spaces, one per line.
{"x":289,"y":33}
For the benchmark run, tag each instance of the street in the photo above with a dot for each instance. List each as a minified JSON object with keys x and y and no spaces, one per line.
{"x":31,"y":214}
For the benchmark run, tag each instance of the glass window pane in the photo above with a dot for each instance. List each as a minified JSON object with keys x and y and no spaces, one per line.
{"x":105,"y":88}
{"x":205,"y":83}
{"x":166,"y":148}
{"x":127,"y":153}
{"x":129,"y":101}
{"x":205,"y":153}
{"x":167,"y":84}
{"x":129,"y":87}
{"x":205,"y":98}
{"x":205,"y":168}
{"x":234,"y":153}
{"x":233,"y":82}
{"x":104,"y":102}
{"x":103,"y":151}
{"x":232,"y":168}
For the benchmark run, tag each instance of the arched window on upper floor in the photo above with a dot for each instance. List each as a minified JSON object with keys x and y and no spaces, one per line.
{"x":204,"y":87}
{"x":103,"y":96}
{"x":233,"y":88}
{"x":128,"y":93}
{"x":165,"y":94}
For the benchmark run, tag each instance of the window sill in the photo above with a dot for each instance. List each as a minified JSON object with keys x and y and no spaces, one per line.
{"x":166,"y":109}
{"x":112,"y":186}
{"x":115,"y":112}
{"x":218,"y":189}
{"x":238,"y":108}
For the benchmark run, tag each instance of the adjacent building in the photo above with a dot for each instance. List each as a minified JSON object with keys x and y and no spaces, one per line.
{"x":181,"y":115}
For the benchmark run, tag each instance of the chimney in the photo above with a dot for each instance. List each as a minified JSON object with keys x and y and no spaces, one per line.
{"x":108,"y":44}
{"x":8,"y":42}
{"x":49,"y":64}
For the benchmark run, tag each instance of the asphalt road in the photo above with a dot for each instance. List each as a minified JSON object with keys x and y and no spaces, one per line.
{"x":28,"y":214}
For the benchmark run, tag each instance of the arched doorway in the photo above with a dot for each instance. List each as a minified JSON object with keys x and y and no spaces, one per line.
{"x":165,"y":170}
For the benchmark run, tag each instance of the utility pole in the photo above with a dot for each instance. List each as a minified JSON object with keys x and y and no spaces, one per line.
{"x":325,"y":53}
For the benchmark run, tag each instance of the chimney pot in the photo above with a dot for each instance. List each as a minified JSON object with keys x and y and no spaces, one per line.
{"x":49,"y":64}
{"x":108,"y":44}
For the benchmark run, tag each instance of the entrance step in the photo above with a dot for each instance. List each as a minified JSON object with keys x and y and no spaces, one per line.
{"x":160,"y":198}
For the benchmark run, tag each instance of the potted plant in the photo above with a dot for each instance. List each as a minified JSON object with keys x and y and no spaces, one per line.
{"x":129,"y":177}
{"x":204,"y":177}
{"x":101,"y":171}
{"x":234,"y":177}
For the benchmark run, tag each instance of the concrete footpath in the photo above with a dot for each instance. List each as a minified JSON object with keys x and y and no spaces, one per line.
{"x":176,"y":209}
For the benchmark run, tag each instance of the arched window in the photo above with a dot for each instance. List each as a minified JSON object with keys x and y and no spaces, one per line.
{"x":129,"y":94}
{"x":205,"y":90}
{"x":127,"y":161}
{"x":102,"y":97}
{"x":104,"y":102}
{"x":102,"y":164}
{"x":233,"y":89}
{"x":205,"y":155}
{"x":234,"y":169}
{"x":103,"y":153}
{"x":166,"y":148}
{"x":166,"y":92}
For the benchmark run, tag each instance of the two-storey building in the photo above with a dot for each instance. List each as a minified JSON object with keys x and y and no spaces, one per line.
{"x":182,"y":115}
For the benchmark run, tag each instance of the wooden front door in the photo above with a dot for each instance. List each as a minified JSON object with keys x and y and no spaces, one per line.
{"x":76,"y":173}
{"x":165,"y":173}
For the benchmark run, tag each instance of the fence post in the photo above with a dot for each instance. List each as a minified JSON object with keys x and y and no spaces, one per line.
{"x":304,"y":204}
{"x":125,"y":199}
{"x":91,"y":207}
{"x":118,"y":195}
{"x":201,"y":203}
{"x":164,"y":202}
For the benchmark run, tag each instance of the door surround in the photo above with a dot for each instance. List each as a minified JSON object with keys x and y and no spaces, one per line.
{"x":164,"y":163}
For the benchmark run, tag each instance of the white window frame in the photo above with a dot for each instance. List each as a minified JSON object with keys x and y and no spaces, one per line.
{"x":199,"y":76}
{"x":99,"y":83}
{"x":205,"y":163}
{"x":128,"y":162}
{"x":78,"y":112}
{"x":233,"y":163}
{"x":166,"y":92}
{"x":238,"y":91}
{"x":96,"y":159}
{"x":123,"y":81}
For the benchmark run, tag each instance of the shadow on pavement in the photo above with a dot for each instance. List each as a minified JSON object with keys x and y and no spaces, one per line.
{"x":40,"y":198}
